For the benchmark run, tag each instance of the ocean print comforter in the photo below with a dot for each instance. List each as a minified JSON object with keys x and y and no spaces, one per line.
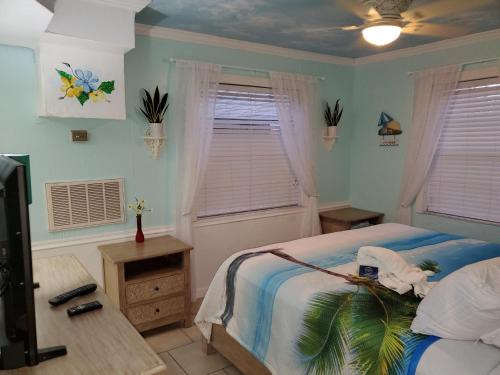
{"x":300,"y":320}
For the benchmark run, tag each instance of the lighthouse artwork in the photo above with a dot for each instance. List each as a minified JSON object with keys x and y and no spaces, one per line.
{"x":388,"y":130}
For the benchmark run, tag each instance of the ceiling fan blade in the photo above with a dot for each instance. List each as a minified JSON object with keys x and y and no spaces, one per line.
{"x":430,"y":29}
{"x":350,"y":28}
{"x":326,"y":29}
{"x":434,"y":9}
{"x":359,"y":9}
{"x":373,"y":14}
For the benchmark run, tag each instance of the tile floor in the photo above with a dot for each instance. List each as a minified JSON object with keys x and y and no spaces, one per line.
{"x":180,"y":348}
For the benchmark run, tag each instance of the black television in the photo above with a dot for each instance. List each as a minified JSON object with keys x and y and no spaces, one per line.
{"x":18,"y":343}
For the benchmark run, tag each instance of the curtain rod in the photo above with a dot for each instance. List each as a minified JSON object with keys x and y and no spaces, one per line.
{"x":320,"y":78}
{"x":467,"y":63}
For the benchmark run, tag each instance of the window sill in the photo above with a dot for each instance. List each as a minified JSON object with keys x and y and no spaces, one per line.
{"x":459,"y":218}
{"x":232,"y":218}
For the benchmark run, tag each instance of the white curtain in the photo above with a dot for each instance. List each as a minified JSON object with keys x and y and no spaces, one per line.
{"x":296,"y":101}
{"x":433,"y":89}
{"x":194,"y":106}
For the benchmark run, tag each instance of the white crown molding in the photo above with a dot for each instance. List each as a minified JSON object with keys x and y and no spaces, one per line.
{"x":206,"y":39}
{"x":100,"y":238}
{"x":430,"y":47}
{"x":134,"y":5}
{"x":217,"y":41}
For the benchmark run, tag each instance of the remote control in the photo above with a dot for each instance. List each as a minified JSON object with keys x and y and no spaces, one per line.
{"x":65,"y":297}
{"x":86,"y":307}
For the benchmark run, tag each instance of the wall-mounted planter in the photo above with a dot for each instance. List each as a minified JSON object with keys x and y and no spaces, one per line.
{"x":156,"y":130}
{"x":154,"y":144}
{"x":155,"y":139}
{"x":329,"y":137}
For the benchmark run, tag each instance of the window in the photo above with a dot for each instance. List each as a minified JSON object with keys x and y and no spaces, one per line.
{"x":465,"y":176}
{"x":247,"y":167}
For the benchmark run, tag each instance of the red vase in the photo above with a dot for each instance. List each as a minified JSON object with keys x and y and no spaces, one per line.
{"x":139,"y":236}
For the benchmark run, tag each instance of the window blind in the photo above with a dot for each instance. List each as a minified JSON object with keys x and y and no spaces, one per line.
{"x":465,"y":175}
{"x":247,"y":169}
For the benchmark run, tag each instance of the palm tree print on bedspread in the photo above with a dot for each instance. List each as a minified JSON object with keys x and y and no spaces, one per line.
{"x":366,"y":329}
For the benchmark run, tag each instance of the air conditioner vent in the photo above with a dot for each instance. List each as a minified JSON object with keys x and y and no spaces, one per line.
{"x":80,"y":204}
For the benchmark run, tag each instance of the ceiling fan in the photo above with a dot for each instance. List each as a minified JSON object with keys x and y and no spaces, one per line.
{"x":385,"y":20}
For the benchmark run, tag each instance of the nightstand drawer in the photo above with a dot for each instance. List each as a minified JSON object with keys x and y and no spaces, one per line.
{"x":146,"y":290}
{"x":330,"y":227}
{"x":156,"y":310}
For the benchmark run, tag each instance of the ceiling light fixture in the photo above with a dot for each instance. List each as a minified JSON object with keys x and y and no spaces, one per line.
{"x":381,"y":35}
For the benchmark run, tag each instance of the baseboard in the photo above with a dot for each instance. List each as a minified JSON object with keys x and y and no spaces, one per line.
{"x":123,"y":235}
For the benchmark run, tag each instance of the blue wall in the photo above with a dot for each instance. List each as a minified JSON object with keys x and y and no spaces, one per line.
{"x":116,"y":149}
{"x":376,"y":171}
{"x":356,"y":169}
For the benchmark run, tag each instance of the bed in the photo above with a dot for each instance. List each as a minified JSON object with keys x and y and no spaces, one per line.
{"x":279,"y":310}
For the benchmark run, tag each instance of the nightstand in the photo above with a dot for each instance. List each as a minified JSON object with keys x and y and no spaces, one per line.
{"x":347,"y":218}
{"x":150,"y":281}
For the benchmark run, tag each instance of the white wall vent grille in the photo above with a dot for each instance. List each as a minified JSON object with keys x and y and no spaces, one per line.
{"x":80,"y":204}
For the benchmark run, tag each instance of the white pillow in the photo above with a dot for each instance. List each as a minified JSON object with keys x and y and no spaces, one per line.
{"x":492,"y":338}
{"x":464,"y":305}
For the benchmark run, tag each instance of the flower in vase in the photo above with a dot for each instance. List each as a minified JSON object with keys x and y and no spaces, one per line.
{"x":139,"y":207}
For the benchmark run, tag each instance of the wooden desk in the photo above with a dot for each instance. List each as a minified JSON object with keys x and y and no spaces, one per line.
{"x":346,"y":218}
{"x":100,"y":342}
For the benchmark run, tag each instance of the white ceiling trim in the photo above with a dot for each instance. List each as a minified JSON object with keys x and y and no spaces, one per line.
{"x":192,"y":37}
{"x":135,"y":5}
{"x":430,"y":47}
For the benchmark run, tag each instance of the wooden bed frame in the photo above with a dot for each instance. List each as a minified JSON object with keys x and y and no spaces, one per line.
{"x":241,"y":358}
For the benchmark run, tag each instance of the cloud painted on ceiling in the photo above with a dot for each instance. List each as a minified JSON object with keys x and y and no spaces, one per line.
{"x":288,"y":23}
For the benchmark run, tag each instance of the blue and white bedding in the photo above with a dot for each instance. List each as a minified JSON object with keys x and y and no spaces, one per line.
{"x":297,"y":320}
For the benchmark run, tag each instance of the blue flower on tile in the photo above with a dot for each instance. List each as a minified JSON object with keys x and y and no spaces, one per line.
{"x":86,"y":80}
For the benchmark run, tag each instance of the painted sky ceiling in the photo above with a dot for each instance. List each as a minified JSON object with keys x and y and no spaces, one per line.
{"x":289,"y":23}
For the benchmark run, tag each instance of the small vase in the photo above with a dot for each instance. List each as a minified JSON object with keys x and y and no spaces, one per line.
{"x":156,"y":130}
{"x":139,"y":236}
{"x":329,"y":137}
{"x":331,"y":131}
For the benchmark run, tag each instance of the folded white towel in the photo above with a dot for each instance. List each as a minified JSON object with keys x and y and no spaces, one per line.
{"x":393,"y":271}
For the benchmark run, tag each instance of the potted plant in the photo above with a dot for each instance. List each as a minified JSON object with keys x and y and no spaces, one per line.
{"x":332,"y":119}
{"x":154,"y":108}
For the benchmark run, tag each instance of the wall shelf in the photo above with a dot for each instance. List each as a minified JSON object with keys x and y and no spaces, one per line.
{"x":329,"y":141}
{"x":155,"y":144}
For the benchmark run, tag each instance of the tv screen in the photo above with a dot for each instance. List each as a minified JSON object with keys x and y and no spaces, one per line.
{"x":18,"y":346}
{"x":17,"y":317}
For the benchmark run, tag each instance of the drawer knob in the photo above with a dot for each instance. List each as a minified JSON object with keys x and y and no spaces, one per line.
{"x":157,"y":310}
{"x":157,"y":288}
